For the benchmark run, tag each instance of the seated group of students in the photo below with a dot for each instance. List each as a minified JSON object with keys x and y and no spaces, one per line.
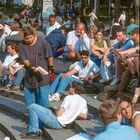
{"x":87,"y":71}
{"x":75,"y":106}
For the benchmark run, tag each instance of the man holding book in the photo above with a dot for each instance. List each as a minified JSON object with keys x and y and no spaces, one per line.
{"x":35,"y":53}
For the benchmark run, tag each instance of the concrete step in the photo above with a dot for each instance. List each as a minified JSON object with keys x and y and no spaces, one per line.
{"x":18,"y":109}
{"x":93,"y":104}
{"x":18,"y":95}
{"x":12,"y":126}
{"x":2,"y":135}
{"x":61,"y":65}
{"x":58,"y":134}
{"x":88,"y":126}
{"x":14,"y":107}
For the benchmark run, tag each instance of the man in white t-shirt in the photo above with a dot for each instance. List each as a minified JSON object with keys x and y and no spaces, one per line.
{"x":86,"y":70}
{"x":52,"y":25}
{"x":73,"y":106}
{"x":77,"y":41}
{"x":12,"y":55}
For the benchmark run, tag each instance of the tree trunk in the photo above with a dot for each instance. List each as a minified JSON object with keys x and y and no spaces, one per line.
{"x":9,"y":3}
{"x":136,"y":10}
{"x":84,"y":2}
{"x":117,"y":8}
{"x":97,"y":7}
{"x":91,"y":5}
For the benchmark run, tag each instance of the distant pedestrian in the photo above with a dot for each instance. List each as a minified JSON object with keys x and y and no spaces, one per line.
{"x":122,"y":19}
{"x":93,"y":17}
{"x":52,"y":25}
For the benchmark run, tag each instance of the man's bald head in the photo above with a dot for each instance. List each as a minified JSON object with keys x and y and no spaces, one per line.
{"x":80,"y":29}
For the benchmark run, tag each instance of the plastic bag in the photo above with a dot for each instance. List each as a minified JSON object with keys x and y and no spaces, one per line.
{"x":106,"y":72}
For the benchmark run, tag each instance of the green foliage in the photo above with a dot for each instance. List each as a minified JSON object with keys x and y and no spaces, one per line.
{"x":9,"y":11}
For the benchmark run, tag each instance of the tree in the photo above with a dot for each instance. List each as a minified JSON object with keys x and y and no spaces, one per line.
{"x":9,"y":3}
{"x":84,"y":4}
{"x":136,"y":10}
{"x":117,"y":8}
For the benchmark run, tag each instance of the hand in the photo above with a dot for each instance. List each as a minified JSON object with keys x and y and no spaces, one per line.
{"x":91,"y":134}
{"x":63,"y":76}
{"x":11,"y":77}
{"x":82,"y":33}
{"x":34,"y":69}
{"x":104,"y":60}
{"x":86,"y":78}
{"x":51,"y":69}
{"x":12,"y":71}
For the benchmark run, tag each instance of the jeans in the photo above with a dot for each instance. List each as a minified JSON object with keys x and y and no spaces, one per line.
{"x":19,"y":77}
{"x":38,"y":96}
{"x":59,"y":85}
{"x":38,"y":113}
{"x":96,"y":59}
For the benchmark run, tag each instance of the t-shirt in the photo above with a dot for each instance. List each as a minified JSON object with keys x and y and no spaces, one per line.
{"x":125,"y":45}
{"x":90,"y":69}
{"x":115,"y":131}
{"x":37,"y":55}
{"x":9,"y":58}
{"x":73,"y":105}
{"x":77,"y":44}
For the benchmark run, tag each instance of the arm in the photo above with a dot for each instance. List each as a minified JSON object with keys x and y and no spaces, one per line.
{"x":71,"y":49}
{"x":136,"y":123}
{"x":69,"y":73}
{"x":60,"y":111}
{"x":95,"y":16}
{"x":83,"y":116}
{"x":136,"y":95}
{"x":105,"y":55}
{"x":105,"y":45}
{"x":96,"y":75}
{"x":50,"y":61}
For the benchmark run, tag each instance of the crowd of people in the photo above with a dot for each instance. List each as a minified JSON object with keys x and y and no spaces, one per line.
{"x":30,"y":58}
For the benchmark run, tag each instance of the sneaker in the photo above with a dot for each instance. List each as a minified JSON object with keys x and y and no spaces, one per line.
{"x":102,"y":81}
{"x":31,"y":135}
{"x":54,"y":97}
{"x":114,"y":82}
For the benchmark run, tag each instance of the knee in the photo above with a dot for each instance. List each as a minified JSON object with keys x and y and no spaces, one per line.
{"x":72,"y":55}
{"x":32,"y":106}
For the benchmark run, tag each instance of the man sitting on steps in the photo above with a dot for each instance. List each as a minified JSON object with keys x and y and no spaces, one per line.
{"x":86,"y":69}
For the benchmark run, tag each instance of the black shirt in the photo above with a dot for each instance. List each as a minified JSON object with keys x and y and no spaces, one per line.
{"x":37,"y":56}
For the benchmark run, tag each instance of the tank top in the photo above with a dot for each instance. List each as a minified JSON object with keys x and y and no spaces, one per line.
{"x":99,"y":44}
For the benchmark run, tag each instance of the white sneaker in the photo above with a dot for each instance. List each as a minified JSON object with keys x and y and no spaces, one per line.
{"x":54,"y":97}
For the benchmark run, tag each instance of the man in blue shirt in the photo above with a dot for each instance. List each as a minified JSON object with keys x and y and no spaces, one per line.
{"x":123,"y":44}
{"x":110,"y":115}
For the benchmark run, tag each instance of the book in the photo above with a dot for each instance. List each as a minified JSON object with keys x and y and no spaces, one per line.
{"x":42,"y":70}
